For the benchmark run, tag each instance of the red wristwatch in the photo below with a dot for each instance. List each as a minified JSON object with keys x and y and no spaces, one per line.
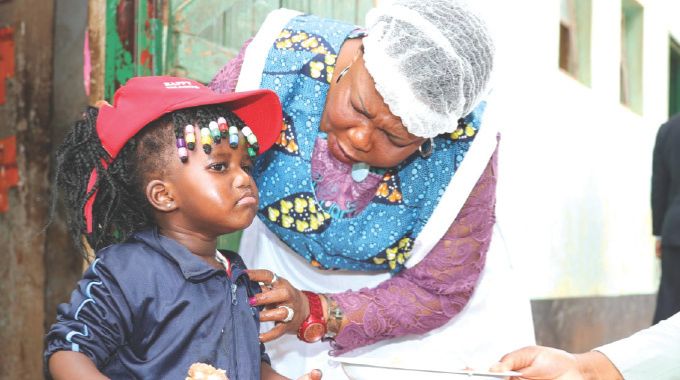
{"x":313,"y":328}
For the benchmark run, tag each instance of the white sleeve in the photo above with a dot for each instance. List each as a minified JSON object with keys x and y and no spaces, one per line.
{"x":653,"y":353}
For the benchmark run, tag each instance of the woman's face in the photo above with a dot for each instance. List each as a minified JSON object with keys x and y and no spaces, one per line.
{"x":359,"y":124}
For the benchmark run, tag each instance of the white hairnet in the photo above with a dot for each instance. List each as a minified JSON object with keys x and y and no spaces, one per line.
{"x":431,"y":61}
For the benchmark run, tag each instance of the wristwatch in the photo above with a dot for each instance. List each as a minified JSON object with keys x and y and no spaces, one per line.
{"x":313,"y":328}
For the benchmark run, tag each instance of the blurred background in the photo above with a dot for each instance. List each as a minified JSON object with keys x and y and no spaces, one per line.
{"x":581,"y":87}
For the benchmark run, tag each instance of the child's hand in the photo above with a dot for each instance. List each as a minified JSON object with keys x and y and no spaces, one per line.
{"x":202,"y":371}
{"x":277,"y":293}
{"x":314,"y":375}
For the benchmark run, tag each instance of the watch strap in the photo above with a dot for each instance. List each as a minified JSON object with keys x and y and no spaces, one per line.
{"x":315,"y":317}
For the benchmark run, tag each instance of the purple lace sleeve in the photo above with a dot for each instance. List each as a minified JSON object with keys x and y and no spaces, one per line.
{"x":428,"y":295}
{"x":225,"y":80}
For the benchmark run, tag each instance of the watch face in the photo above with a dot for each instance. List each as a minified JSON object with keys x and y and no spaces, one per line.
{"x":314,"y":332}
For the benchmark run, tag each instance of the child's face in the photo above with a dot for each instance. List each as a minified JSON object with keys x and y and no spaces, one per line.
{"x":214,"y":193}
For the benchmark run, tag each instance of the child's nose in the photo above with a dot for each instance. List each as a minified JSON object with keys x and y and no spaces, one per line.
{"x":242,"y":179}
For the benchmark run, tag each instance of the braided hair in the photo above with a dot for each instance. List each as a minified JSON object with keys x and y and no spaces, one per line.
{"x":120,"y":207}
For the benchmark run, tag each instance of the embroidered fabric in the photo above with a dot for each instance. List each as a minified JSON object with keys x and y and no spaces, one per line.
{"x":334,"y":184}
{"x":428,"y":295}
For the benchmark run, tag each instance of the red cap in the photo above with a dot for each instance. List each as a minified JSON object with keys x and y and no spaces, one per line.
{"x":144,"y":99}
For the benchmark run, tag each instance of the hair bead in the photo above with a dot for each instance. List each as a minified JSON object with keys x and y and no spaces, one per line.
{"x":222,"y":125}
{"x":251,"y":151}
{"x":190,"y":136}
{"x":206,"y":140}
{"x":215,"y":131}
{"x":251,"y":138}
{"x":183,"y":153}
{"x":233,"y":137}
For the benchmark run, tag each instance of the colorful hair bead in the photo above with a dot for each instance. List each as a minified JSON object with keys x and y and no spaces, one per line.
{"x":222,"y":125}
{"x":233,"y":137}
{"x":251,"y":151}
{"x":183,"y":154}
{"x":190,"y":136}
{"x":250,"y":137}
{"x":206,"y":140}
{"x":215,"y":131}
{"x":182,"y":149}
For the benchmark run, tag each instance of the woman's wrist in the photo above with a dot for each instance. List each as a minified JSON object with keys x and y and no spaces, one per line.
{"x":333,"y":314}
{"x":594,"y":365}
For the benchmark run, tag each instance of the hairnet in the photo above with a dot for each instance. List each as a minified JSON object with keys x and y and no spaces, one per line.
{"x":431,"y":61}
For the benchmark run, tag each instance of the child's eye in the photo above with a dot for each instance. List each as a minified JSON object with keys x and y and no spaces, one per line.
{"x":218,"y":167}
{"x":247,"y":168}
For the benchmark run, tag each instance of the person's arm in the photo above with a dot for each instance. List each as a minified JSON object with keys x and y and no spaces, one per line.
{"x":417,"y":300}
{"x":89,"y":329}
{"x":69,"y":365}
{"x":660,"y":183}
{"x":268,"y":373}
{"x":651,"y":353}
{"x":428,"y":295}
{"x":546,"y":363}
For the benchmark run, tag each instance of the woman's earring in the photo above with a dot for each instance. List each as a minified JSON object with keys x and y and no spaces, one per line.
{"x":343,"y":72}
{"x":425,"y":149}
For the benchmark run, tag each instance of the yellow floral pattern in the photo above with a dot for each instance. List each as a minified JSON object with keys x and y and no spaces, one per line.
{"x":395,"y":255}
{"x":298,"y":212}
{"x":320,"y":67}
{"x":464,"y":131}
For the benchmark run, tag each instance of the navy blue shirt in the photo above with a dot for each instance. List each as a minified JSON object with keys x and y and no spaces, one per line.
{"x":148,"y":309}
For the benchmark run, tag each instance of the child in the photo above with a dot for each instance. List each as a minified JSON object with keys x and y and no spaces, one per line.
{"x":150,"y":183}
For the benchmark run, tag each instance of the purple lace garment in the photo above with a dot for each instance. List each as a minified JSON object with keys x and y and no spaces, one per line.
{"x":424,"y":297}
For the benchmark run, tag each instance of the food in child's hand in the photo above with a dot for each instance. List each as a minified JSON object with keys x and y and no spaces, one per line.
{"x":202,"y":371}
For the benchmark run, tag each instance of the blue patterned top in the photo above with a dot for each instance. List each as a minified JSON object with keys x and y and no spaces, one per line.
{"x":380,"y":235}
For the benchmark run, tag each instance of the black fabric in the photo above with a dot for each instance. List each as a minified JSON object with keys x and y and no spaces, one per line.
{"x":666,"y":215}
{"x":668,"y":299}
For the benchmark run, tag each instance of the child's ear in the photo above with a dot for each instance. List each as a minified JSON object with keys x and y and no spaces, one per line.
{"x":159,"y":194}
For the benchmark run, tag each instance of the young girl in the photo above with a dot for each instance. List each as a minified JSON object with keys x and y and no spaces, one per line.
{"x":150,"y":183}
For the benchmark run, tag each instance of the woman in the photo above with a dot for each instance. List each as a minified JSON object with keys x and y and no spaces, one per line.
{"x":378,"y":198}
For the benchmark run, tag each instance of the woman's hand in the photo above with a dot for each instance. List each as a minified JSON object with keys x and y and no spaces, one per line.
{"x":278,"y":292}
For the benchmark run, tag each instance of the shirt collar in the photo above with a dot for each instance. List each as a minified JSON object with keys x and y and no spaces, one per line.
{"x":191,"y":266}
